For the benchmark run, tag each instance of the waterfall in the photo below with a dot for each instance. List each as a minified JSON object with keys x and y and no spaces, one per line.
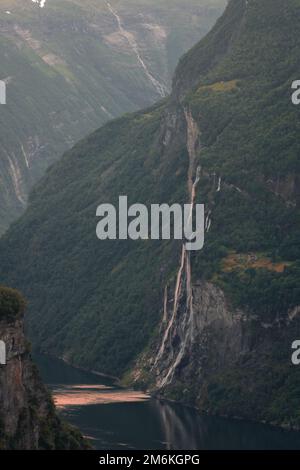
{"x":184,"y":276}
{"x":16,"y":176}
{"x":165,"y":317}
{"x":41,"y":3}
{"x":160,"y":88}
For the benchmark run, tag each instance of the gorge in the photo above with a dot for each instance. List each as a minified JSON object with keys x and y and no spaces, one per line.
{"x":211,"y":329}
{"x":71,"y":66}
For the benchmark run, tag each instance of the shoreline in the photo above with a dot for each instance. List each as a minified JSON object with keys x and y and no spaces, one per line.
{"x":157,"y":396}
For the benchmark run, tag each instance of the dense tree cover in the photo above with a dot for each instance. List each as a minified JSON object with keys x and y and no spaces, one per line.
{"x":98,"y":303}
{"x":103,"y":298}
{"x":241,"y":100}
{"x":249,"y":138}
{"x":12,"y":304}
{"x":69,"y":70}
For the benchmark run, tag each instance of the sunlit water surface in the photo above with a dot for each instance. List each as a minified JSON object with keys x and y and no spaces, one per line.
{"x":114,"y":418}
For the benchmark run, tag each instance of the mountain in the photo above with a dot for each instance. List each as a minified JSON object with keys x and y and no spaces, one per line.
{"x":71,"y":66}
{"x":27,"y":418}
{"x":212,"y":328}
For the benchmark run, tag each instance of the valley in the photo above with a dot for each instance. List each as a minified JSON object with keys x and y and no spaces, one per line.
{"x":211,"y":329}
{"x":71,"y":66}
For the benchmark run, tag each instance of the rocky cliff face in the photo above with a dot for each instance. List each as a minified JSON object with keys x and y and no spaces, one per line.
{"x":217,"y":324}
{"x":27,"y":414}
{"x":222,"y":355}
{"x":224,"y":360}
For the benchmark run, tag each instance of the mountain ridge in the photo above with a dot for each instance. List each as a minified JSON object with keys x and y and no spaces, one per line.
{"x":72,"y":66}
{"x":214,"y":331}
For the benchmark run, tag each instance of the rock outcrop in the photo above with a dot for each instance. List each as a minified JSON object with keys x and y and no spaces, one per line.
{"x":224,"y":360}
{"x":27,"y":414}
{"x":218,"y":324}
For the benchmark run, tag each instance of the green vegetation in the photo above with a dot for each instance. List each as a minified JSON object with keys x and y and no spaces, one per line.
{"x":249,"y":139}
{"x":68,"y":70}
{"x":107,"y":296}
{"x":264,"y":292}
{"x":12,"y":304}
{"x":98,"y":303}
{"x":268,"y":389}
{"x":112,"y":301}
{"x":59,"y":435}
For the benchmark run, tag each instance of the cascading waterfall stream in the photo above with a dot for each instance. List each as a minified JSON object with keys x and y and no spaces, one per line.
{"x":175,"y":307}
{"x":184,"y":275}
{"x":165,"y":317}
{"x":159,"y":87}
{"x":41,"y":3}
{"x":16,"y":177}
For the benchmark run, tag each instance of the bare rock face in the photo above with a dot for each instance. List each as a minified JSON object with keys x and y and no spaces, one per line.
{"x":27,"y":414}
{"x":224,"y":360}
{"x":209,"y":329}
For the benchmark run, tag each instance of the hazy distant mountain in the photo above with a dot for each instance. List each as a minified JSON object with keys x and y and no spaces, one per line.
{"x":72,"y":65}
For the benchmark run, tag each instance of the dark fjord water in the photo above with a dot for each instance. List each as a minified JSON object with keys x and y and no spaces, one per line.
{"x":114,"y":418}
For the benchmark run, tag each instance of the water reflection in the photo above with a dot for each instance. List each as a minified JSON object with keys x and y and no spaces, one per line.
{"x":185,"y":429}
{"x":114,"y":418}
{"x":84,"y":395}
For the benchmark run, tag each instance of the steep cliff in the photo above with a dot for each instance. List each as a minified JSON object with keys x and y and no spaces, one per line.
{"x":212,"y":328}
{"x":27,"y":413}
{"x":232,"y":314}
{"x":223,"y":360}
